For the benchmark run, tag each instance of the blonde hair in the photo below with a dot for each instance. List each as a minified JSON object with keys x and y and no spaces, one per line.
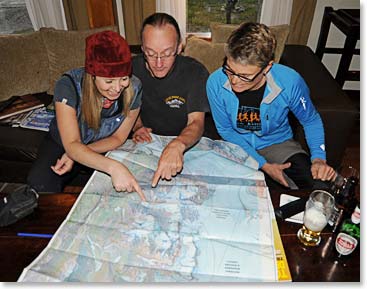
{"x":92,"y":101}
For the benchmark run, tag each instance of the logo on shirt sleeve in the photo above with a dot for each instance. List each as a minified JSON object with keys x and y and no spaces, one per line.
{"x":303,"y":101}
{"x":175,"y":101}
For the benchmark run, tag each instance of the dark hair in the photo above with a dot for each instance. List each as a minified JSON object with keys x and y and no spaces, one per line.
{"x":251,"y":43}
{"x":158,"y":20}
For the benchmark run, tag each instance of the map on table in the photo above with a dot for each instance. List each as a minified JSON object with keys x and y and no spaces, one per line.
{"x":213,"y":222}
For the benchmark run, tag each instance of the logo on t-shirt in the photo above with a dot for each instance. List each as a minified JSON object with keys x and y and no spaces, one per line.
{"x":249,"y":118}
{"x":175,"y":101}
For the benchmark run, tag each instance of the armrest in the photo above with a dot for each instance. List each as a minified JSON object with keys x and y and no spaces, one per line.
{"x":337,"y":111}
{"x":325,"y":91}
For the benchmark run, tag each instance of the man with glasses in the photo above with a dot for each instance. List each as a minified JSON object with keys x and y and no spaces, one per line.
{"x":250,"y":97}
{"x":174,"y":98}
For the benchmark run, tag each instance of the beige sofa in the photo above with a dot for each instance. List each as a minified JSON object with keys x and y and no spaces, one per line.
{"x":31,"y":63}
{"x":211,"y":53}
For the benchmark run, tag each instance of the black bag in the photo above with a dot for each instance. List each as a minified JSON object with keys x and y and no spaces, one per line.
{"x":17,"y":205}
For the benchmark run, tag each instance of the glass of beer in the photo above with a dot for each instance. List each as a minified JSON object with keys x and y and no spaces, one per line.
{"x":317,"y":213}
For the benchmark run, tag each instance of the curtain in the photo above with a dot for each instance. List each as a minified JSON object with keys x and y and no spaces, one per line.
{"x":134,"y":13}
{"x":176,"y":8}
{"x":120,"y":17}
{"x":76,"y":14}
{"x":46,"y":13}
{"x":276,"y":12}
{"x":301,"y":21}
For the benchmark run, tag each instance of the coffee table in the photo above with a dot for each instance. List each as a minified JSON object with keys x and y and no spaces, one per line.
{"x":314,"y":264}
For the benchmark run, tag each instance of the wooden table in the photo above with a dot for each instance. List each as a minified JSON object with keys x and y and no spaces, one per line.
{"x":306,"y":264}
{"x":316,"y":264}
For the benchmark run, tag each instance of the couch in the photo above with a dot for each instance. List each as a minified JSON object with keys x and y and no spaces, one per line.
{"x":32,"y":63}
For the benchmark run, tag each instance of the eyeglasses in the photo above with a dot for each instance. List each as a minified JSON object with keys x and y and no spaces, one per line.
{"x":163,"y":56}
{"x":243,"y":78}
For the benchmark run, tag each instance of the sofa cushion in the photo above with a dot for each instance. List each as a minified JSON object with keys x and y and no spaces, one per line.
{"x":24,"y":63}
{"x":221,"y":32}
{"x":209,"y":54}
{"x":66,"y":50}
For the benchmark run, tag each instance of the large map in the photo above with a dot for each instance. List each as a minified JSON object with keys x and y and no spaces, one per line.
{"x":212,"y":223}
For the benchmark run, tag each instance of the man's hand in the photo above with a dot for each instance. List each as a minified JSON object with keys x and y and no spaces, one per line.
{"x":142,"y":135}
{"x":322,"y":171}
{"x":275,"y":171}
{"x":124,"y":181}
{"x":170,"y":162}
{"x":63,"y":165}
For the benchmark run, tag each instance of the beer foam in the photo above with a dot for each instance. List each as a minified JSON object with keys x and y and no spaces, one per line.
{"x":314,"y":220}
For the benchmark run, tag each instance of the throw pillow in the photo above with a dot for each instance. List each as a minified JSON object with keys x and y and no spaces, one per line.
{"x":24,"y":64}
{"x":211,"y":55}
{"x":221,"y":32}
{"x":66,"y":50}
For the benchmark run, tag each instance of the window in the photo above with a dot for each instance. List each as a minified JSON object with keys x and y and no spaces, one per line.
{"x":201,"y":12}
{"x":14,"y":17}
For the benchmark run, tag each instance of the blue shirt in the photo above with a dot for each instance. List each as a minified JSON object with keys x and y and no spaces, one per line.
{"x":285,"y":91}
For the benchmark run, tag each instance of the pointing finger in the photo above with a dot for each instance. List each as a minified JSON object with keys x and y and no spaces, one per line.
{"x":156,"y":178}
{"x":140,"y":192}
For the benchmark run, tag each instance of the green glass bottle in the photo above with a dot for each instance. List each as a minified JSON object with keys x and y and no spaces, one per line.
{"x":348,"y":238}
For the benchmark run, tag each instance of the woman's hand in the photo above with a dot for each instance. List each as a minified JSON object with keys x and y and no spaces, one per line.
{"x":275,"y":171}
{"x":63,"y":165}
{"x":142,"y":135}
{"x":124,"y":181}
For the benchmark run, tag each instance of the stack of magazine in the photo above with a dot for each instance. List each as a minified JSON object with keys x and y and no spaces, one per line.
{"x":28,"y":112}
{"x":39,"y":119}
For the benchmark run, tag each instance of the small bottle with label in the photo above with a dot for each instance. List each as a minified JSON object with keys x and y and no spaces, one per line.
{"x":348,"y":238}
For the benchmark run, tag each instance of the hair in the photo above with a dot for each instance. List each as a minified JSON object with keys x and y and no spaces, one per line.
{"x":159,"y":20}
{"x":251,"y":43}
{"x":92,"y":101}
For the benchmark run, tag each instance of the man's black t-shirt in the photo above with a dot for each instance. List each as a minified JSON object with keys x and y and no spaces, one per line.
{"x":167,"y":101}
{"x":248,"y":116}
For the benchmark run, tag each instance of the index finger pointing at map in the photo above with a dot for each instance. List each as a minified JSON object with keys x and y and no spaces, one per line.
{"x":156,"y":178}
{"x":140,"y":192}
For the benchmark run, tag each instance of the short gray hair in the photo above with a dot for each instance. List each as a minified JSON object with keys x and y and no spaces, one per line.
{"x":251,"y":43}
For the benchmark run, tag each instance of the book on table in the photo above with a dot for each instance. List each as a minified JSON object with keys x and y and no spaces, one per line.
{"x":21,"y":104}
{"x":38,"y":119}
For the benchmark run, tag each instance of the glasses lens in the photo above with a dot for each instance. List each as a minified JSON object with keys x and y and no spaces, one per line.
{"x":229,"y":72}
{"x":162,"y":57}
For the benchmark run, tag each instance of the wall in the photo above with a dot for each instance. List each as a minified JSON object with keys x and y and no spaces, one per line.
{"x":335,"y":39}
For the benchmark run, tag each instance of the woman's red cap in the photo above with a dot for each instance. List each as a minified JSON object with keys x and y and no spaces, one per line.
{"x":107,"y":54}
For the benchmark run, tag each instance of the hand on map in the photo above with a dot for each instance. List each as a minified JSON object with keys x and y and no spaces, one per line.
{"x":170,"y":162}
{"x":124,"y":181}
{"x":142,"y":135}
{"x":275,"y":171}
{"x":322,"y":171}
{"x":63,"y":165}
